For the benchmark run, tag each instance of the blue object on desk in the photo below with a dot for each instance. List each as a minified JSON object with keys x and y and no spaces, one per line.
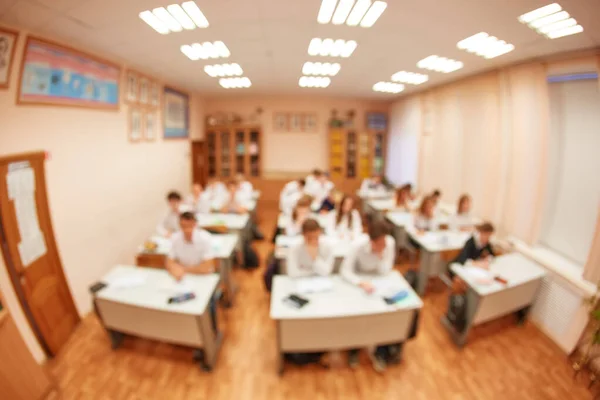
{"x":401,"y":295}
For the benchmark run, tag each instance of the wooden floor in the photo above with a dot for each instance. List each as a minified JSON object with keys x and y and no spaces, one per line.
{"x":502,"y":361}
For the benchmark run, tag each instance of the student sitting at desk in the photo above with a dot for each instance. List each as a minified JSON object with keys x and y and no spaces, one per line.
{"x":320,"y":190}
{"x":191,"y":251}
{"x":199,"y":200}
{"x":312,"y":256}
{"x":214,"y":190}
{"x":372,"y":187}
{"x":436,"y":196}
{"x":233,"y":201}
{"x":425,"y":218}
{"x":299,"y":216}
{"x":291,"y":193}
{"x":373,"y":255}
{"x":402,"y":199}
{"x":462,"y":219}
{"x":478,"y":250}
{"x":170,"y":222}
{"x":312,"y":177}
{"x":345,"y":223}
{"x":244,"y":186}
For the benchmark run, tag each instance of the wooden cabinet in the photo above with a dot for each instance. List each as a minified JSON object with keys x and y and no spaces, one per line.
{"x":232,"y":150}
{"x":355,"y":155}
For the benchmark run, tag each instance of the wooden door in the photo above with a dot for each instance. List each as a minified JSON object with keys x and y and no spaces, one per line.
{"x":30,"y":252}
{"x":198,"y":163}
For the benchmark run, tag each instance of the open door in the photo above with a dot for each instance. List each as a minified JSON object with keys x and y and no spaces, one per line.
{"x":30,"y":252}
{"x":198,"y":163}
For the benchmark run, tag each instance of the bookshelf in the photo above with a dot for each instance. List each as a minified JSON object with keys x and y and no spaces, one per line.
{"x":232,"y":150}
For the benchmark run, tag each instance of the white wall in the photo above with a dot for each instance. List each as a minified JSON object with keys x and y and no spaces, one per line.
{"x":105,"y":193}
{"x":402,"y":159}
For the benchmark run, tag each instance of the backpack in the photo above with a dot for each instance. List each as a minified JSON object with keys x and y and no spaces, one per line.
{"x":303,"y":358}
{"x":272,"y":270}
{"x":250,"y":257}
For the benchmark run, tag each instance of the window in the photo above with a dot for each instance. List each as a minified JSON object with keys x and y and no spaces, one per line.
{"x":573,"y":181}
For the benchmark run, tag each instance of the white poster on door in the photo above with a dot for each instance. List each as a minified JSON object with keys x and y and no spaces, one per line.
{"x":20,"y":181}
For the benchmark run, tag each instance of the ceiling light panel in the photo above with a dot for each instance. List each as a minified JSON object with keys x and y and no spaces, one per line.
{"x":551,"y":21}
{"x":317,"y":68}
{"x":353,"y":13}
{"x":223,"y":70}
{"x":314,"y":81}
{"x":388,"y":87}
{"x":331,"y":48}
{"x":235,"y":83}
{"x":485,"y":45}
{"x":412,"y":78}
{"x":205,"y":51}
{"x":175,"y":18}
{"x":440,"y":64}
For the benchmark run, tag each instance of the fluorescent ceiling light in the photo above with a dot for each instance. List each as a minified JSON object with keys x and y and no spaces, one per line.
{"x":175,"y":18}
{"x":540,"y":13}
{"x":330,"y":48}
{"x":551,"y":21}
{"x":317,"y":68}
{"x":326,"y":11}
{"x":205,"y":50}
{"x":195,"y":14}
{"x":373,"y":14}
{"x":343,"y":9}
{"x":358,"y":12}
{"x":235,"y":83}
{"x":314,"y":81}
{"x":410,"y":77}
{"x":154,"y":22}
{"x":220,"y":70}
{"x":485,"y":45}
{"x":565,"y":32}
{"x":388,"y":87}
{"x":361,"y":12}
{"x":440,"y":64}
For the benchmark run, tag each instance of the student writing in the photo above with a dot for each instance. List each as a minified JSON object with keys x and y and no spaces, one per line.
{"x":345,"y":222}
{"x":312,"y":256}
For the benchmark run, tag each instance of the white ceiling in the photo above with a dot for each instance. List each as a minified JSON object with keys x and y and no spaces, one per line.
{"x":269,"y":38}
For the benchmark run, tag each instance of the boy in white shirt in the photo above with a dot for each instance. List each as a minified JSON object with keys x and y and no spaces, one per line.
{"x":199,"y":200}
{"x":320,"y":189}
{"x":214,"y":190}
{"x":233,"y":201}
{"x":244,"y":186}
{"x":191,"y":251}
{"x":312,"y":256}
{"x":169,"y":224}
{"x":291,"y":193}
{"x":373,"y":187}
{"x":374,"y":255}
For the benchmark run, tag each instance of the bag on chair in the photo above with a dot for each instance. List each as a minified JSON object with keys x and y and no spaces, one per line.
{"x":272,"y":270}
{"x":250,"y":257}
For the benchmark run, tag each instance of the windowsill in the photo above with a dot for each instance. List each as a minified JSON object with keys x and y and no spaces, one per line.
{"x":567,"y":270}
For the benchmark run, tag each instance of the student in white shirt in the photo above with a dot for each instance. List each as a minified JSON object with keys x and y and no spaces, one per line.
{"x":233,"y":201}
{"x":214,"y":190}
{"x":291,"y":193}
{"x":374,"y":255}
{"x":462,"y":220}
{"x":345,"y":222}
{"x":312,"y":256}
{"x":313,"y":176}
{"x":436,"y":196}
{"x":425,"y":219}
{"x":199,"y":200}
{"x":244,"y":186}
{"x":191,"y":251}
{"x":169,"y":224}
{"x":402,"y":199}
{"x":372,"y":187}
{"x":320,"y":189}
{"x":300,"y":214}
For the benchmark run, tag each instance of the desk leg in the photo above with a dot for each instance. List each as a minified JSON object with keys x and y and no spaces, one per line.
{"x":472,"y":305}
{"x":522,"y":314}
{"x":426,"y":259}
{"x":116,"y":338}
{"x":280,"y":357}
{"x":227,"y":276}
{"x":212,"y":338}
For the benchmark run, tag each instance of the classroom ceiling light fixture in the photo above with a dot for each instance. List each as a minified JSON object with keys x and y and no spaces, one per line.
{"x":485,"y":45}
{"x":361,"y":12}
{"x":551,"y":21}
{"x":388,"y":87}
{"x":413,"y":78}
{"x":235,"y":83}
{"x":205,"y":50}
{"x":314,"y":81}
{"x":175,"y":18}
{"x":331,"y":48}
{"x":220,"y":70}
{"x":440,"y":64}
{"x":317,"y":68}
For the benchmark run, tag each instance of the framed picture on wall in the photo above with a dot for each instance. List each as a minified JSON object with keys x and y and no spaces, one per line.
{"x":52,"y":74}
{"x":135,"y":124}
{"x":150,"y":125}
{"x":144,"y":90}
{"x":132,"y":87}
{"x":154,"y":94}
{"x":176,"y":114}
{"x":8,"y":39}
{"x":310,"y":123}
{"x":280,"y":122}
{"x":296,"y":122}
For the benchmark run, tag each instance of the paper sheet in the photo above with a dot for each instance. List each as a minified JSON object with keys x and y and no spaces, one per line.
{"x":479,"y":275}
{"x":384,"y":287}
{"x":315,"y":284}
{"x":182,"y":286}
{"x":128,"y":281}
